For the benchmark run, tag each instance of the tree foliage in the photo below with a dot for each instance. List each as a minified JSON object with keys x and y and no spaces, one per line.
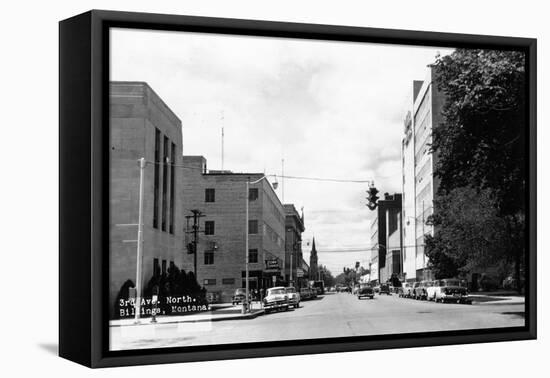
{"x":481,"y":142}
{"x":481,"y":164}
{"x":470,"y":232}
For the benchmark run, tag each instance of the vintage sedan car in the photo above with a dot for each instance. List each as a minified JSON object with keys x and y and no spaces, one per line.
{"x":293,"y":297}
{"x":305,"y":293}
{"x":365,"y":291}
{"x":420,"y":289}
{"x":384,"y":289}
{"x":447,"y":290}
{"x":239,"y":296}
{"x":276,"y":298}
{"x":405,"y":291}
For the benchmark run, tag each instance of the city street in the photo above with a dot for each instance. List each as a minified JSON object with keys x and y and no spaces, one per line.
{"x":332,"y":315}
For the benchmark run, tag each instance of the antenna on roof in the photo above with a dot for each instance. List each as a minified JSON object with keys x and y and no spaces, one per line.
{"x":222,"y":118}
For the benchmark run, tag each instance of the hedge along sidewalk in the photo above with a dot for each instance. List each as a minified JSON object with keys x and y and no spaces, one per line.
{"x":218,"y":313}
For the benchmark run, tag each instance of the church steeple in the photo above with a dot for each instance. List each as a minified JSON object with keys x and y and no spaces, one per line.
{"x":313,"y":269}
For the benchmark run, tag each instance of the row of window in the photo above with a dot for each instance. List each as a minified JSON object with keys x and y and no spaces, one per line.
{"x":210,"y":227}
{"x":161,"y":190}
{"x":210,"y":194}
{"x":157,"y":270}
{"x":212,"y":281}
{"x":209,"y":256}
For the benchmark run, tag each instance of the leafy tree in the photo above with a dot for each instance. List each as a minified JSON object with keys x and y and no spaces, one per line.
{"x":481,"y":142}
{"x":470,"y":232}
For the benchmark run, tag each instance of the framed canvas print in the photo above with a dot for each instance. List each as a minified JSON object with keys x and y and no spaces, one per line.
{"x":235,"y":188}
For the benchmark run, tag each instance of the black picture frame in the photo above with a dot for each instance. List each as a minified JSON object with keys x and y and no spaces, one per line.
{"x":83,"y":195}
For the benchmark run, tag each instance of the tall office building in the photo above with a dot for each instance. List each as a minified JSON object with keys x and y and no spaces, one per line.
{"x":418,"y":163}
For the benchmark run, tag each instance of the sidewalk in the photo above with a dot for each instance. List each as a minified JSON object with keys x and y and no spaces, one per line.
{"x":497,"y":297}
{"x":223,"y":311}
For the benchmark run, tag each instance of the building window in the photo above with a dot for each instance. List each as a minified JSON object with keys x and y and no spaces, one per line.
{"x":156,"y":267}
{"x":228,"y":281}
{"x":163,"y":266}
{"x":253,"y":255}
{"x":252,"y":194}
{"x":172,"y":186}
{"x":209,"y":281}
{"x":209,"y":195}
{"x":209,"y":228}
{"x":208,"y":257}
{"x":157,"y":180}
{"x":252,"y":227}
{"x":164,"y":182}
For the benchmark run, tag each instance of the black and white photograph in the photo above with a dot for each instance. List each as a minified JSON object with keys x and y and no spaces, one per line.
{"x":275,"y":189}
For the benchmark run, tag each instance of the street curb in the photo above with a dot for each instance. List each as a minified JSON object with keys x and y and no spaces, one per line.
{"x":496,"y":303}
{"x":213,"y":319}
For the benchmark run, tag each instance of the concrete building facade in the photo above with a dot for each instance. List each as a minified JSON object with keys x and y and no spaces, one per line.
{"x":142,"y":126}
{"x":221,"y":254}
{"x":294,"y":225}
{"x":419,"y":185}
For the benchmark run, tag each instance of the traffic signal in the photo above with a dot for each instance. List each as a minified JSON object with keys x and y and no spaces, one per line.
{"x":357,"y":265}
{"x":372,"y":198}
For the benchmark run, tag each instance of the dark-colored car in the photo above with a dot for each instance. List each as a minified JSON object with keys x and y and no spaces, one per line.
{"x":384,"y":289}
{"x":365,"y":291}
{"x":305,"y":293}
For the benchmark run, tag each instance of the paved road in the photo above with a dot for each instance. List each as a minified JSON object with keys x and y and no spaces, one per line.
{"x":334,"y":315}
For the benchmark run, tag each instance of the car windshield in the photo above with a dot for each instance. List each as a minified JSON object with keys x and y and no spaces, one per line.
{"x":240,"y":291}
{"x":275,"y":291}
{"x":428,"y":284}
{"x":290,"y":290}
{"x":451,"y":283}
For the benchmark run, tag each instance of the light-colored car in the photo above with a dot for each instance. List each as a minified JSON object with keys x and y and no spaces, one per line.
{"x":447,"y":290}
{"x":293,"y":297}
{"x":276,"y":298}
{"x":420,"y":289}
{"x":305,"y":293}
{"x":406,"y":290}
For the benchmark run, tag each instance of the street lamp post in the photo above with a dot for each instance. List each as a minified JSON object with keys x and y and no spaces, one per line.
{"x":139,"y":251}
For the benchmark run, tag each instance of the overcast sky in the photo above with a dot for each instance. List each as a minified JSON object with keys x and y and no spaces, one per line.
{"x":329,"y":109}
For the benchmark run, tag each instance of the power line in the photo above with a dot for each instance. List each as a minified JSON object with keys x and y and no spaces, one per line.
{"x":324,"y":179}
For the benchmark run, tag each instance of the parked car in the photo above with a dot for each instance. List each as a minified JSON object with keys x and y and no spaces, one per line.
{"x":276,"y":298}
{"x":365,"y":291}
{"x":447,"y":290}
{"x":293,"y":297}
{"x":376,"y":289}
{"x":384,"y":289}
{"x":239,"y":296}
{"x":313,"y":292}
{"x":405,"y":291}
{"x":305,"y":293}
{"x":420,"y":289}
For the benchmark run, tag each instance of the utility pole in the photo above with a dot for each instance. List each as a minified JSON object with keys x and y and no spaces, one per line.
{"x":195,"y":229}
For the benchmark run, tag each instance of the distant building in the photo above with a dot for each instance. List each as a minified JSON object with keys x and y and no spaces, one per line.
{"x":419,"y":185}
{"x":386,"y":240}
{"x":313,"y":260}
{"x":294,"y":224}
{"x":221,"y":255}
{"x":142,"y":125}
